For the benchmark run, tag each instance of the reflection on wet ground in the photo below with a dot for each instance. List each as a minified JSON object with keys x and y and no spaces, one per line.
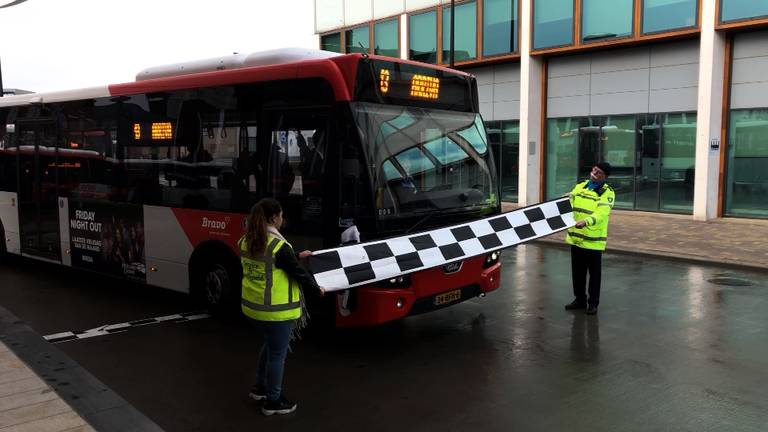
{"x":672,"y":348}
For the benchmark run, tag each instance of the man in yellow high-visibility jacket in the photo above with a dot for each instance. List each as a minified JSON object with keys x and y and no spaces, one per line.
{"x":592,"y":201}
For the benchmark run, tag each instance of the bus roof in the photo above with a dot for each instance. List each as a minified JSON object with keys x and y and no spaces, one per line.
{"x":288,"y":63}
{"x":234,"y":61}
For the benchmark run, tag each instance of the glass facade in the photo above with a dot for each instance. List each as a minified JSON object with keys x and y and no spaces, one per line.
{"x":652,"y":156}
{"x":504,"y":138}
{"x":422,"y":37}
{"x":358,"y":40}
{"x":465,"y":37}
{"x":735,"y":10}
{"x":385,"y":38}
{"x":331,"y":42}
{"x":746,"y":179}
{"x":606,"y":19}
{"x":666,"y":15}
{"x":552,"y":23}
{"x":499,"y":27}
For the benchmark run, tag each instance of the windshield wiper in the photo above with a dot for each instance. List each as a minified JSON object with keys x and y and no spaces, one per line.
{"x":420,"y":221}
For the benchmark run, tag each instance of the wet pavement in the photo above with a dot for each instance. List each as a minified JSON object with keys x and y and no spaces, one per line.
{"x":676,"y":346}
{"x":725,"y":241}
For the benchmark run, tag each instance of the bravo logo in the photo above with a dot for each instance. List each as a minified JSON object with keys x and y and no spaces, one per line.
{"x":216,"y":224}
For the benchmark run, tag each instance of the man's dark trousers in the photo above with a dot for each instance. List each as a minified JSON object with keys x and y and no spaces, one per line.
{"x":585,"y":261}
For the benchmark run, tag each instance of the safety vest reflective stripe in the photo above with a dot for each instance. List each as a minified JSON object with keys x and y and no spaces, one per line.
{"x":268,"y":254}
{"x":582,"y":236}
{"x":271,"y":308}
{"x":603,"y":204}
{"x":589,"y":197}
{"x":581,"y":210}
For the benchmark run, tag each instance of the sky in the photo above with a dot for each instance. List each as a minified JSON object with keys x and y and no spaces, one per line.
{"x":48,"y":45}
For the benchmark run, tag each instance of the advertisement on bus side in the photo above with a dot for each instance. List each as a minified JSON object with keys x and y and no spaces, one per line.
{"x":108,"y":238}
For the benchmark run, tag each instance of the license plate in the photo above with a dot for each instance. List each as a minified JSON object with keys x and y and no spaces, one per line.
{"x":448,"y":297}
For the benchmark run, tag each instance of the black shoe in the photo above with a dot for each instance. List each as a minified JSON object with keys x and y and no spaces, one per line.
{"x":280,"y":406}
{"x":592,"y":310}
{"x":257,"y":393}
{"x":574,"y":305}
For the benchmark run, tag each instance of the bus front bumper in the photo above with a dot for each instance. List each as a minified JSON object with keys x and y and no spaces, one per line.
{"x":370,"y":306}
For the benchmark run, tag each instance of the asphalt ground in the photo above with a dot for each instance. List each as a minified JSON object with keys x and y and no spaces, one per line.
{"x":677,"y":345}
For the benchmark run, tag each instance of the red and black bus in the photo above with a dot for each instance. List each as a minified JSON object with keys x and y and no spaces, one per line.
{"x":152,"y":180}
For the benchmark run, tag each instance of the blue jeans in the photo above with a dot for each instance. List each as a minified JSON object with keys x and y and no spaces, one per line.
{"x":277,"y":336}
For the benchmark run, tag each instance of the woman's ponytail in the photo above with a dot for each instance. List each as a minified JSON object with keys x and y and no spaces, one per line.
{"x":256,"y":235}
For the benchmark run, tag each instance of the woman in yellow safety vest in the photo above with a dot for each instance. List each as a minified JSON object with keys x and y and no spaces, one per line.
{"x":272,"y":297}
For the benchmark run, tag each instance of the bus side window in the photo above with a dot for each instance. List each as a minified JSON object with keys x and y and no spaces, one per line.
{"x":246,"y":170}
{"x":7,"y":156}
{"x":206,"y":150}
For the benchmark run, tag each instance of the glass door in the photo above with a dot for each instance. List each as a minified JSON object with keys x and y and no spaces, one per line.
{"x":648,"y":167}
{"x":589,"y":150}
{"x":617,"y":138}
{"x":38,"y":198}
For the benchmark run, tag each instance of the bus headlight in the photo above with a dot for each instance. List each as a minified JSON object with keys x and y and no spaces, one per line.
{"x":403,"y":281}
{"x":491,"y":258}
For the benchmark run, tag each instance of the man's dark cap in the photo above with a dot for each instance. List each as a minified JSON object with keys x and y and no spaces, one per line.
{"x":604,"y":167}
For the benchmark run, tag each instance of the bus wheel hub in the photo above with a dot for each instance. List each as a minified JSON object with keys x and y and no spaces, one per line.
{"x":216,"y":282}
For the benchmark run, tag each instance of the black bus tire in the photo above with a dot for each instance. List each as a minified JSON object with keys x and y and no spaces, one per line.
{"x":215,"y":284}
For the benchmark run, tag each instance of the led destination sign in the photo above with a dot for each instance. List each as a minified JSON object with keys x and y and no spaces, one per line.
{"x":397,"y":83}
{"x":422,"y":86}
{"x":425,"y":87}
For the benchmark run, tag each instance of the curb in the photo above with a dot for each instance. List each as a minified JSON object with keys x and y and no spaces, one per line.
{"x":96,"y":403}
{"x":664,"y":255}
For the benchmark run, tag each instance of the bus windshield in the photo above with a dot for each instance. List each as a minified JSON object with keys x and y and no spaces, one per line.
{"x":425,"y":160}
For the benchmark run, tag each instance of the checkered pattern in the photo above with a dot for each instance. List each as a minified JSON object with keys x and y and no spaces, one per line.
{"x":359,"y":264}
{"x":122,"y":327}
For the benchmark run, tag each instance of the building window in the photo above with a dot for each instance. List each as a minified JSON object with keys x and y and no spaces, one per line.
{"x":385,"y":38}
{"x":358,"y":40}
{"x":465,"y":37}
{"x":734,"y":10}
{"x":606,"y":19}
{"x":504,"y":137}
{"x":746,"y":184}
{"x":499,"y":27}
{"x":422,"y":37}
{"x":331,"y":42}
{"x":552,"y":23}
{"x":652,"y":158}
{"x":665,"y":15}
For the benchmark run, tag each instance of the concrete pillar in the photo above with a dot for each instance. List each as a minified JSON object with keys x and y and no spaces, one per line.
{"x":530,"y":113}
{"x":709,"y":116}
{"x":404,"y":36}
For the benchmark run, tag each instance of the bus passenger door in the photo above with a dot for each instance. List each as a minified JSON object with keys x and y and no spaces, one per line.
{"x":298,"y":158}
{"x":38,"y":198}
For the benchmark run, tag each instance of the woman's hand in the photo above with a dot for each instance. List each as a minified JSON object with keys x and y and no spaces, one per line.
{"x":304,"y":254}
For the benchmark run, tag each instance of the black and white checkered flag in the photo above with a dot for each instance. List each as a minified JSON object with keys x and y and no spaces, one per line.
{"x":364,"y":263}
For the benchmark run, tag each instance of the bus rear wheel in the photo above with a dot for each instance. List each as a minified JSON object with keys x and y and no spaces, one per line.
{"x":216,"y":286}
